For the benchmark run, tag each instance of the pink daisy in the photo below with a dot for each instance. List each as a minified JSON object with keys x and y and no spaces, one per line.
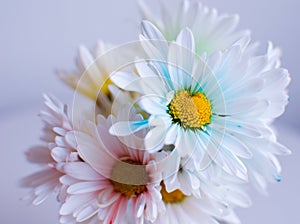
{"x":114,"y":182}
{"x":55,"y":150}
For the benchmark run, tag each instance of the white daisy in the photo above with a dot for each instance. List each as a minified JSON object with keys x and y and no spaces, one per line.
{"x":93,"y":69}
{"x":212,"y":31}
{"x":56,"y":150}
{"x":114,"y":180}
{"x":214,"y":183}
{"x":211,"y":108}
{"x":181,"y":208}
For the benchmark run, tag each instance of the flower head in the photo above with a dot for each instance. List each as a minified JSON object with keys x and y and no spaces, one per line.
{"x":113,"y":179}
{"x":212,"y":31}
{"x":56,"y":150}
{"x":181,"y":208}
{"x":210,"y":108}
{"x":91,"y":77}
{"x":168,"y":129}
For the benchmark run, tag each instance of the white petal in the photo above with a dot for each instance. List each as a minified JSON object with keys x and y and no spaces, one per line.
{"x":153,"y":104}
{"x":107,"y":197}
{"x":74,"y":202}
{"x":84,"y":187}
{"x":278,"y":149}
{"x":153,"y":85}
{"x":71,"y":140}
{"x":91,"y":67}
{"x":235,"y":146}
{"x":241,"y":106}
{"x":171,"y":134}
{"x":81,"y":171}
{"x":126,"y":81}
{"x":154,"y":140}
{"x":186,"y":39}
{"x":87,"y":212}
{"x":59,"y":154}
{"x":144,"y":69}
{"x":125,"y":128}
{"x":151,"y":32}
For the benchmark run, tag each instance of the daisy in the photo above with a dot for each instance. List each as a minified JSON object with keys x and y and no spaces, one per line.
{"x":56,"y":150}
{"x":211,"y":108}
{"x":212,"y":31}
{"x":113,"y":181}
{"x":191,"y":210}
{"x":93,"y":69}
{"x":181,"y":208}
{"x":194,"y":195}
{"x":215,"y":184}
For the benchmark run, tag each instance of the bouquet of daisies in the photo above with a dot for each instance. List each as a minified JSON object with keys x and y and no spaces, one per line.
{"x":168,"y":129}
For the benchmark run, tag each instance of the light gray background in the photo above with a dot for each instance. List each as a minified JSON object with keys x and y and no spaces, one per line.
{"x":37,"y":37}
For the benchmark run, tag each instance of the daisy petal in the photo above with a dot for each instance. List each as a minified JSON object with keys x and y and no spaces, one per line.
{"x":124,"y":128}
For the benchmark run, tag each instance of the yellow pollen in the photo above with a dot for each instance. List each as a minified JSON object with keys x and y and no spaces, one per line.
{"x":171,"y":197}
{"x":191,"y":111}
{"x":129,"y":178}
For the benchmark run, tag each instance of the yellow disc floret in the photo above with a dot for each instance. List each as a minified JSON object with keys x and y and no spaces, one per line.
{"x":191,"y":111}
{"x":171,"y":197}
{"x":104,"y":88}
{"x":129,"y":178}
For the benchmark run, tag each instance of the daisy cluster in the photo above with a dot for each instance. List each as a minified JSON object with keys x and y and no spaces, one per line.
{"x":168,"y":129}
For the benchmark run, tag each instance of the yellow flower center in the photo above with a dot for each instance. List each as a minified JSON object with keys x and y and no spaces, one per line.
{"x":171,"y":197}
{"x":104,"y":88}
{"x":129,"y":178}
{"x":191,"y":111}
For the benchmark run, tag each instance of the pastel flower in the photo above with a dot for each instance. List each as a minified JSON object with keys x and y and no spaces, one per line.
{"x":213,"y":184}
{"x":213,"y":108}
{"x":91,"y":77}
{"x":212,"y":31}
{"x":113,"y":181}
{"x":181,"y":208}
{"x":57,"y":149}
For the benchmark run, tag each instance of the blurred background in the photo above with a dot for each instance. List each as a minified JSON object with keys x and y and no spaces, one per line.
{"x":37,"y":37}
